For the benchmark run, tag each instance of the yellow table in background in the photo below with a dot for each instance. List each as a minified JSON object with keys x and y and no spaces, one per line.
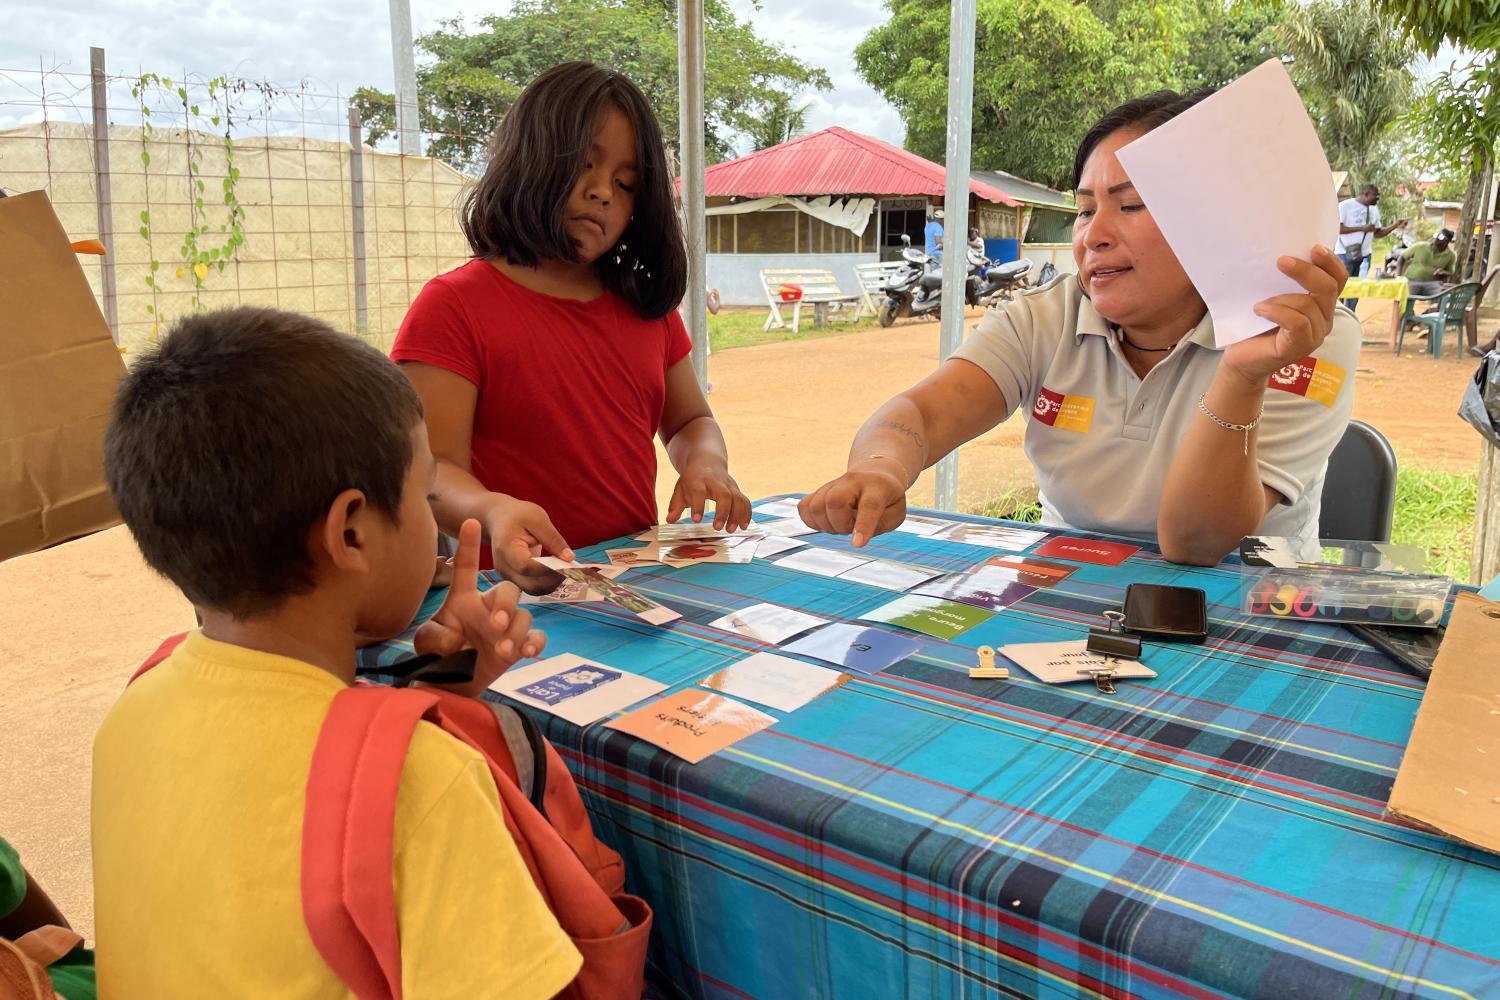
{"x":1396,"y":289}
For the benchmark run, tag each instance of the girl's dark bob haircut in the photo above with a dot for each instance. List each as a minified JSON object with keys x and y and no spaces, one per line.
{"x":517,"y":209}
{"x":1139,"y":115}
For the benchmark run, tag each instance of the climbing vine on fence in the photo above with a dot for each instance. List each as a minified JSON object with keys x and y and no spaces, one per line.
{"x":205,"y":246}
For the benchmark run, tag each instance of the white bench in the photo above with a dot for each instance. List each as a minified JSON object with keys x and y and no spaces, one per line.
{"x":820,"y":289}
{"x":872,"y":281}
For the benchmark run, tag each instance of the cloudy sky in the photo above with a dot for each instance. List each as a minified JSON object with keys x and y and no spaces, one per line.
{"x":343,"y":44}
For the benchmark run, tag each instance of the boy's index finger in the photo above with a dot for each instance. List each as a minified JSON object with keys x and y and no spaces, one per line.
{"x":466,"y":559}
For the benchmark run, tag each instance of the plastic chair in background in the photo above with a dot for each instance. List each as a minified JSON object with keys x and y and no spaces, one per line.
{"x":1451,"y":303}
{"x":1471,"y":315}
{"x":1359,"y":489}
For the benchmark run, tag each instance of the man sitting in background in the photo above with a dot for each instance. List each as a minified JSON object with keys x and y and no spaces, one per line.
{"x":1428,"y":265}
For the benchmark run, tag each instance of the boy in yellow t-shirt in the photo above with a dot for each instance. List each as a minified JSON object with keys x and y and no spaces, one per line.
{"x":278,"y":472}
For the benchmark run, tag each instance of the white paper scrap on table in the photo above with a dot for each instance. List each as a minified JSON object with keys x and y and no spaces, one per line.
{"x":607,"y":570}
{"x":575,"y":689}
{"x":921,"y":524}
{"x":787,"y":527}
{"x":1234,"y":183}
{"x":1068,"y":662}
{"x":779,"y":682}
{"x":824,"y":562}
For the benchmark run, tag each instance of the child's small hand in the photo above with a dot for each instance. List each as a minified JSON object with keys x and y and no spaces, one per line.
{"x":519,"y":531}
{"x":695,"y":487}
{"x":488,"y":622}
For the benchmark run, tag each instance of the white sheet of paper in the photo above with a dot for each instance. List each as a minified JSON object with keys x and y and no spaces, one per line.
{"x":770,"y":546}
{"x":767,"y":622}
{"x":891,"y":575}
{"x":681,"y":531}
{"x":1061,"y":662}
{"x":590,"y":706}
{"x":824,"y":562}
{"x":776,"y":681}
{"x":1234,"y":183}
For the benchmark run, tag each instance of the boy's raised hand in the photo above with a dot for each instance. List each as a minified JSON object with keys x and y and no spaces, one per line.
{"x":489,"y":622}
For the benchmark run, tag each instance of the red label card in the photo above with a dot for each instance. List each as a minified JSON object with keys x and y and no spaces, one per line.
{"x":1087,"y":550}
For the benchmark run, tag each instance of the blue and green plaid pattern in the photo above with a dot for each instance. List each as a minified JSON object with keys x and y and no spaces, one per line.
{"x":1216,"y":832}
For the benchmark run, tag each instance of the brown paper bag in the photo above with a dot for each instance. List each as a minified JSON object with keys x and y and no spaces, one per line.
{"x":58,"y":369}
{"x":1449,"y":780}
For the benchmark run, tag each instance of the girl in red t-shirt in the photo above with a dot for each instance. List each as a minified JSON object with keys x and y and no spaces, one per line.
{"x":548,"y":363}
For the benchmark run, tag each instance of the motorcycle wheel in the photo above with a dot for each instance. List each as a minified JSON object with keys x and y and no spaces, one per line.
{"x":887,"y":314}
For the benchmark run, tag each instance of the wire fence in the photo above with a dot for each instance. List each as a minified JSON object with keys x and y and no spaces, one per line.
{"x":221,"y":191}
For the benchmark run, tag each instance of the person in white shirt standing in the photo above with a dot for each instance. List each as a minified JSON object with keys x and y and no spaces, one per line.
{"x":1359,"y":225}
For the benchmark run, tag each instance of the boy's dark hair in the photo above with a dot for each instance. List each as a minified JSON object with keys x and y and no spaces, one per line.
{"x":228,"y":441}
{"x":517,"y":209}
{"x":1139,"y":115}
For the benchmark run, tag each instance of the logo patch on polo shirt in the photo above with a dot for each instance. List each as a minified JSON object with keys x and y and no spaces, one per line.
{"x":1071,"y":413}
{"x":1315,"y":378}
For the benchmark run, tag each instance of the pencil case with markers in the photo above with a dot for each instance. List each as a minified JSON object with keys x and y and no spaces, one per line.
{"x":1360,"y":582}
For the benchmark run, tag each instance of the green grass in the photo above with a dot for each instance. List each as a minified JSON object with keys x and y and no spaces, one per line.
{"x":742,"y":328}
{"x":1436,"y":511}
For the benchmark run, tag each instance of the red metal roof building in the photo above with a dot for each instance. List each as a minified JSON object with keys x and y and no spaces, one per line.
{"x":836,"y":162}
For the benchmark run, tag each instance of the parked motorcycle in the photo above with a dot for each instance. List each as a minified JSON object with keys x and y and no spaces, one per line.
{"x":1001,"y":281}
{"x":916,"y":289}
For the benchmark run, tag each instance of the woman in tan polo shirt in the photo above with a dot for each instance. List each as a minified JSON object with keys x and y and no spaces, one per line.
{"x":1138,"y":424}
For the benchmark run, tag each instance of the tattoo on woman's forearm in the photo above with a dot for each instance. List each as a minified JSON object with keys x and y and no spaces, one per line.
{"x":900,"y":428}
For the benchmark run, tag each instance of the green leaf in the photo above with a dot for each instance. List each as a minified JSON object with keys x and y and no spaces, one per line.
{"x":145,"y":233}
{"x":214,"y":120}
{"x":155,"y":264}
{"x":182,"y":93}
{"x":145,"y":158}
{"x":194,"y":109}
{"x":145,"y":216}
{"x":151,"y":310}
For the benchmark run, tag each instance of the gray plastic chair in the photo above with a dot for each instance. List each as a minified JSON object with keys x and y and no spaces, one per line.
{"x":1359,"y":491}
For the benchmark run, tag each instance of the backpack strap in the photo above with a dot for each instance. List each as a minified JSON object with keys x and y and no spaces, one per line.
{"x":429,"y":668}
{"x":162,"y":652}
{"x":348,"y":897}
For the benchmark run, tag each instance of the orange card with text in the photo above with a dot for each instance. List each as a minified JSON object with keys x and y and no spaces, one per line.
{"x":693,"y":724}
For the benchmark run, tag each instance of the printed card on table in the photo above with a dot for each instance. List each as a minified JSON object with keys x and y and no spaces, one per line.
{"x":888,"y":574}
{"x":682,"y":531}
{"x":693,"y":724}
{"x":606,"y":570}
{"x":988,"y":587}
{"x":770,"y":546}
{"x":932,"y":616}
{"x":993,"y":536}
{"x":705,"y":550}
{"x":645,"y":555}
{"x":767,"y":623}
{"x":567,"y":592}
{"x":787,"y":527}
{"x":1032,"y":572}
{"x":777,"y":681}
{"x":1089,"y":550}
{"x":1068,"y":662}
{"x":824,"y":562}
{"x":921,"y":524}
{"x":778,"y":508}
{"x":575,"y":689}
{"x":633,"y":601}
{"x":868,"y":650}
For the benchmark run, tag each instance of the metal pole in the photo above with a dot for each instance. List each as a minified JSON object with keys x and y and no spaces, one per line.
{"x":105,"y":203}
{"x":357,"y":210}
{"x":956,"y":212}
{"x":406,"y":78}
{"x":690,"y":127}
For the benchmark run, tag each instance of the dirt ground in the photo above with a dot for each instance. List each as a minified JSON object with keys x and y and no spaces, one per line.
{"x":75,"y":619}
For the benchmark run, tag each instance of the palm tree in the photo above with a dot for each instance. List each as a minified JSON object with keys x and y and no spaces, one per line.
{"x":777,"y":122}
{"x":1353,"y":67}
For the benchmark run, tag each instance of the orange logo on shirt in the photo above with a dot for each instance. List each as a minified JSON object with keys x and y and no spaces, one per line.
{"x":1071,"y":413}
{"x":1315,"y":378}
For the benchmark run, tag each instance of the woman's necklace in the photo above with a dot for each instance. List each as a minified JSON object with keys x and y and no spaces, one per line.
{"x":1144,"y":350}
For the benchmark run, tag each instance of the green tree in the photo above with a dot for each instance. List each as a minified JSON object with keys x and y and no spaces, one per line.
{"x":1459,"y":115}
{"x":1044,"y":70}
{"x":1352,"y":68}
{"x":470,"y":78}
{"x":776,"y":121}
{"x":1429,"y":23}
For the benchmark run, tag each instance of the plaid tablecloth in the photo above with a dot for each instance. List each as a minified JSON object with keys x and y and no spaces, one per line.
{"x":1218,"y":831}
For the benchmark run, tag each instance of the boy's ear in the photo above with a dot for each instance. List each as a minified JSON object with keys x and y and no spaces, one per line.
{"x":344,"y":532}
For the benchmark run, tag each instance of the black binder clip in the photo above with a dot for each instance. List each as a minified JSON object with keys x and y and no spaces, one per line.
{"x":1112,"y":645}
